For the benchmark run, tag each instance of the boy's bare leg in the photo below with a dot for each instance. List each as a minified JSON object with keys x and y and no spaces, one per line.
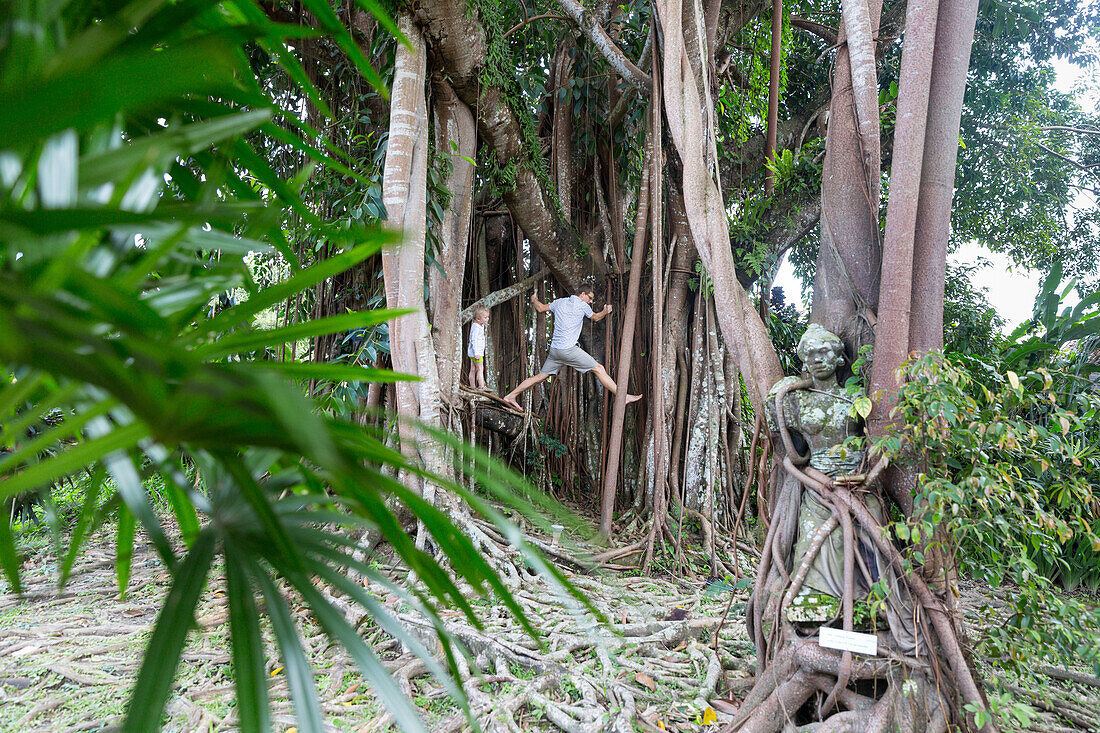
{"x":473,"y":374}
{"x":609,"y":383}
{"x":525,"y":385}
{"x":481,"y":375}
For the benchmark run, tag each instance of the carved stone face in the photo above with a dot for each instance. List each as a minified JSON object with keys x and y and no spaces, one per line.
{"x":820,"y":358}
{"x":822,"y":353}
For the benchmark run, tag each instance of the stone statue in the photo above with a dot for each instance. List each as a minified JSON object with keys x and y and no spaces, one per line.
{"x":818,"y":417}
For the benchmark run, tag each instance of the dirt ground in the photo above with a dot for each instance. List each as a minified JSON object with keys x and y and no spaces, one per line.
{"x":69,"y":657}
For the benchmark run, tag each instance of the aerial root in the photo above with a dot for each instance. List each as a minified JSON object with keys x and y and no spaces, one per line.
{"x":803,"y":669}
{"x":778,"y":708}
{"x":847,"y":721}
{"x":882,"y":714}
{"x":575,"y":680}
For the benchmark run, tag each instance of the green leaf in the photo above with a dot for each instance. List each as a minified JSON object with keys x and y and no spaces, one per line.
{"x":130,"y":488}
{"x":15,"y":429}
{"x":243,"y":312}
{"x":337,"y":627}
{"x":162,"y":148}
{"x":83,"y":520}
{"x":124,"y":549}
{"x":272,"y":526}
{"x":863,"y":407}
{"x":9,"y":555}
{"x":14,"y":393}
{"x":394,"y":627}
{"x":253,"y":714}
{"x":299,"y":676}
{"x":73,"y":459}
{"x":85,"y":97}
{"x":324,"y":13}
{"x":335,"y":372}
{"x":158,"y":669}
{"x":175,"y":483}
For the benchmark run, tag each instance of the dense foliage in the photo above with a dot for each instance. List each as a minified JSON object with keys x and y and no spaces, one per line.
{"x":1009,"y":473}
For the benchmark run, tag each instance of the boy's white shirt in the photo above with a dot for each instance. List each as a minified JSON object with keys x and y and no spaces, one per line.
{"x":477,"y":340}
{"x":569,"y":314}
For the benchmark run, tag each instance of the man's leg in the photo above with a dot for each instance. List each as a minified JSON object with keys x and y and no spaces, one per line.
{"x":609,"y":383}
{"x":525,"y":385}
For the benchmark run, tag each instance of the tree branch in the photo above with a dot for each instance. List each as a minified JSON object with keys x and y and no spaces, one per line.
{"x":1071,"y":161}
{"x":532,"y":19}
{"x":1064,"y":128}
{"x":823,"y":32}
{"x":644,"y":62}
{"x":505,"y":294}
{"x":614,"y":55}
{"x":460,"y":46}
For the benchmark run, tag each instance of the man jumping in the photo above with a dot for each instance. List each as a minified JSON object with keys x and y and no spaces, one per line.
{"x":569,"y":314}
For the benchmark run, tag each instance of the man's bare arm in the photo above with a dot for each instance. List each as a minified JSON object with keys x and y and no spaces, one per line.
{"x":539,"y":305}
{"x":597,"y":317}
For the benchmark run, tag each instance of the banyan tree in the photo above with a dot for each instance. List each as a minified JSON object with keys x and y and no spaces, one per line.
{"x":660,"y":150}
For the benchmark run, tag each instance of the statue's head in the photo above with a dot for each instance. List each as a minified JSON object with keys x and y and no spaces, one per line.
{"x":821,"y":352}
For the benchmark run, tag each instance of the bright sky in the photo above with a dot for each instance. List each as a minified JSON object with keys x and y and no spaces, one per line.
{"x":1010,"y":289}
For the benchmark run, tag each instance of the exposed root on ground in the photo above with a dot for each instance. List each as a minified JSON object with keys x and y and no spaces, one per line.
{"x":69,"y":658}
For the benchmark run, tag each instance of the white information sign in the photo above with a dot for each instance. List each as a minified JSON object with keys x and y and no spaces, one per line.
{"x":848,"y":641}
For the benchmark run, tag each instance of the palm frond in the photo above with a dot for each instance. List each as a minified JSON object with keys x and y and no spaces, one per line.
{"x":131,"y":194}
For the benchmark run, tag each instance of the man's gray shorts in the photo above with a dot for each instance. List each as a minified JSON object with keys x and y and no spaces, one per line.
{"x":574,"y":356}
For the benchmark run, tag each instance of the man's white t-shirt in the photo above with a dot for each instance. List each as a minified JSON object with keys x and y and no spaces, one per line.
{"x":569,"y":314}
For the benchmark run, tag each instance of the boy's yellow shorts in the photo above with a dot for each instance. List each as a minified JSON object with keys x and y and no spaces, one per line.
{"x":477,"y":359}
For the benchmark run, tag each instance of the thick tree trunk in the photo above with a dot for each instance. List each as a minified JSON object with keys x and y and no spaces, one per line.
{"x":892,"y":333}
{"x":790,"y":668}
{"x":561,"y":130}
{"x":404,"y":193}
{"x":690,"y":123}
{"x":848,"y":263}
{"x":626,"y":347}
{"x":456,"y":139}
{"x":659,"y":441}
{"x":954,"y":36}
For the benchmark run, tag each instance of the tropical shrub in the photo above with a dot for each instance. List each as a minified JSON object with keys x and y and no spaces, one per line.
{"x":1010,"y":466}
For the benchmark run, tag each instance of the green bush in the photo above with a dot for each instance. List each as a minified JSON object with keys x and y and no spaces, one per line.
{"x":1009,"y":468}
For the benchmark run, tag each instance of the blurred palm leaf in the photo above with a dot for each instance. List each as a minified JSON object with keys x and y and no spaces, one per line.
{"x":130,"y":196}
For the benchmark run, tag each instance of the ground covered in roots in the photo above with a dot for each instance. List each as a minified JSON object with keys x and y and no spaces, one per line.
{"x":68,"y":658}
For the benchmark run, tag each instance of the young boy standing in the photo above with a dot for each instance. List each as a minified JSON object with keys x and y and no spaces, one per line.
{"x":476,"y":349}
{"x":569,"y":314}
